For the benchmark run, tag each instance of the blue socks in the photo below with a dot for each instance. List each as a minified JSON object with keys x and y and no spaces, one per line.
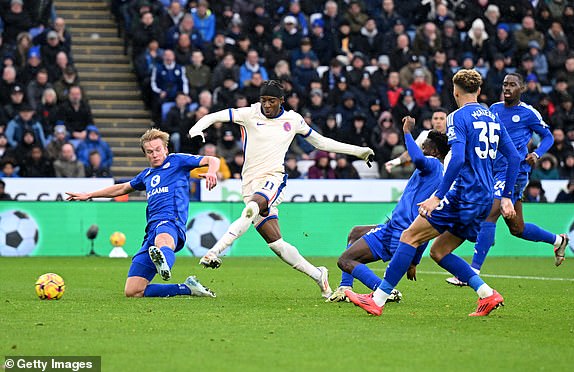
{"x":398,"y":266}
{"x":366,"y":276}
{"x":458,"y":267}
{"x":536,"y":234}
{"x":169,"y":255}
{"x":484,"y":241}
{"x":166,"y":290}
{"x":347,"y":280}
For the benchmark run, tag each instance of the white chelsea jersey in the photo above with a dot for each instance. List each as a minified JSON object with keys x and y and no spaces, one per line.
{"x":266,"y":140}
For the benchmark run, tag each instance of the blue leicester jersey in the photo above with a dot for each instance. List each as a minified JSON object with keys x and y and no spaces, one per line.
{"x":520,"y":122}
{"x":167,"y":188}
{"x":422,"y":184}
{"x":480,"y":131}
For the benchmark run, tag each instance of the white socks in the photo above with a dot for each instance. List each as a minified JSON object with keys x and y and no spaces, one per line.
{"x":380,"y":297}
{"x":237,"y":228}
{"x":291,"y":255}
{"x":484,"y":291}
{"x":558,"y":241}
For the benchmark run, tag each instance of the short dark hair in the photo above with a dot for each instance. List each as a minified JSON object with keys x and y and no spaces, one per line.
{"x":440,"y":109}
{"x":440,"y":140}
{"x":518,"y":76}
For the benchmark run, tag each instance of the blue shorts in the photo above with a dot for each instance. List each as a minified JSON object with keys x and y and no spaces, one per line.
{"x":519,"y":186}
{"x":459,"y":218}
{"x":141,"y":262}
{"x":383,"y":241}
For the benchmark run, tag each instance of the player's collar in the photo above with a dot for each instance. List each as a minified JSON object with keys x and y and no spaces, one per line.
{"x":275,"y":117}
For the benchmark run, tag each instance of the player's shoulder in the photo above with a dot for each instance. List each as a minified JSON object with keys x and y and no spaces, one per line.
{"x":497,"y":106}
{"x":291,"y":115}
{"x":529,"y":110}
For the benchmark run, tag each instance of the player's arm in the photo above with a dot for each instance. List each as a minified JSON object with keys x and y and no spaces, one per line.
{"x":211,"y":175}
{"x":330,"y":145}
{"x":404,"y":157}
{"x":506,"y":148}
{"x":546,"y":142}
{"x":107,"y":192}
{"x":208,"y":120}
{"x":414,"y":151}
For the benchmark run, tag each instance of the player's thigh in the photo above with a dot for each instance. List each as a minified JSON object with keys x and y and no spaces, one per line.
{"x":269,"y":229}
{"x":357,"y":232}
{"x":135,"y":286}
{"x":444,"y":244}
{"x":419,"y":232}
{"x":164,"y":239}
{"x":269,"y":187}
{"x":359,"y":251}
{"x":494,"y":213}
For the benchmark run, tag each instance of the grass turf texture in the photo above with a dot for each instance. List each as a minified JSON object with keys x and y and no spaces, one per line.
{"x":269,"y":317}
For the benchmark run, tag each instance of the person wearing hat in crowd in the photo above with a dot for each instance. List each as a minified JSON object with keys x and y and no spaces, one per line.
{"x":503,"y":43}
{"x":69,"y":79}
{"x":533,"y":92}
{"x":17,"y":99}
{"x":422,"y":91}
{"x":291,"y":169}
{"x":24,"y":121}
{"x":494,"y":79}
{"x":407,"y":73}
{"x":228,"y":145}
{"x":346,"y":109}
{"x":406,"y":106}
{"x":16,"y":20}
{"x":344,"y":169}
{"x":567,"y":195}
{"x":94,"y":141}
{"x":52,"y":48}
{"x":323,"y":43}
{"x":526,"y":66}
{"x":380,"y":75}
{"x":59,"y":138}
{"x":33,"y":65}
{"x":564,"y":116}
{"x":567,"y":168}
{"x":322,"y":169}
{"x":290,"y":33}
{"x":390,"y":36}
{"x":358,"y":134}
{"x":557,"y":57}
{"x":534,"y":193}
{"x":318,"y":108}
{"x":355,"y":16}
{"x":295,"y":11}
{"x":451,"y":42}
{"x":539,"y":59}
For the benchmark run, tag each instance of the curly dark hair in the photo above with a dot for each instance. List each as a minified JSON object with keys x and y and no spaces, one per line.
{"x":440,"y":140}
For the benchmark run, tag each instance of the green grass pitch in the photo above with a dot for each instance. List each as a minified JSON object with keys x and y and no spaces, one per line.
{"x":269,"y":317}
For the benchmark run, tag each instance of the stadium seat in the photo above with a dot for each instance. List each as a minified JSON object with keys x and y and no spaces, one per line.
{"x":165,"y":109}
{"x":304,"y":165}
{"x":547,"y":89}
{"x":411,"y":34}
{"x":371,"y":69}
{"x":364,"y":170}
{"x":482,"y":71}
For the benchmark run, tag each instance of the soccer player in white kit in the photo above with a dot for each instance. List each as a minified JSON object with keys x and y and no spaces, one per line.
{"x":267,"y":130}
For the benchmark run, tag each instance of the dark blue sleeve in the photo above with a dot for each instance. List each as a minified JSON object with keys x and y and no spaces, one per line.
{"x":416,"y":154}
{"x":506,"y":148}
{"x":453,"y":169}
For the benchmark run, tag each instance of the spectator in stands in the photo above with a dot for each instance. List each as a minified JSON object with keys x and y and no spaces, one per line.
{"x":546,"y":169}
{"x":6,"y":151}
{"x":402,"y":53}
{"x":16,"y":20}
{"x":205,"y":99}
{"x":291,"y":167}
{"x":356,"y":70}
{"x":331,"y":129}
{"x":9,"y":169}
{"x":228,"y":144}
{"x":564,"y":196}
{"x":94,"y":141}
{"x":407,"y":73}
{"x":67,"y":165}
{"x":568,"y":22}
{"x":225,"y":68}
{"x":331,"y":17}
{"x":346,"y":109}
{"x":250,"y":66}
{"x":567,"y":169}
{"x":167,"y":79}
{"x":223,"y":172}
{"x":491,"y":19}
{"x":64,"y":37}
{"x":539,"y":59}
{"x":527,"y":34}
{"x":224,"y":95}
{"x":369,"y":41}
{"x":390,"y":36}
{"x":47,"y":110}
{"x":36,"y":164}
{"x":427,"y":40}
{"x":355,"y":16}
{"x":36,"y":88}
{"x":146,"y":29}
{"x":358,"y":134}
{"x":68,"y":80}
{"x":557,"y":57}
{"x":533,"y":90}
{"x":323,"y":43}
{"x":442,"y":78}
{"x":6,"y":84}
{"x":23,"y":45}
{"x":54,"y":147}
{"x":95,"y":168}
{"x":56,"y":72}
{"x":422,"y":91}
{"x":333,"y":75}
{"x":561,"y":146}
{"x":392,"y":90}
{"x":52,"y":48}
{"x":534,"y":193}
{"x":564,"y":116}
{"x":477,"y":42}
{"x":322,"y":167}
{"x":33,"y":65}
{"x":198,"y":74}
{"x":281,"y":71}
{"x":183,"y":50}
{"x":144,"y":65}
{"x":172,"y":16}
{"x":569,"y":72}
{"x":178,"y":120}
{"x":204,"y":21}
{"x":494,"y":79}
{"x":15,"y":103}
{"x":275,"y":52}
{"x":25,"y":146}
{"x":3,"y":194}
{"x":406,"y":106}
{"x":381,"y":74}
{"x":504,"y":43}
{"x":318,"y":108}
{"x":344,"y":169}
{"x":22,"y":123}
{"x":251,"y":91}
{"x":76,"y":113}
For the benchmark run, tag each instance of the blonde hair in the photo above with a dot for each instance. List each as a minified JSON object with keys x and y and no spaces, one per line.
{"x":152,"y":134}
{"x":467,"y":80}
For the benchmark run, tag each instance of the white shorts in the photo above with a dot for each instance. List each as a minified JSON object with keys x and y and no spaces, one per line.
{"x":271,"y":187}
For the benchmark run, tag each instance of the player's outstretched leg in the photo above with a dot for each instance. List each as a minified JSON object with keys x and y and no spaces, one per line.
{"x":196,"y":288}
{"x":191,"y":287}
{"x":487,"y":304}
{"x":235,"y":230}
{"x":163,"y":258}
{"x":365,"y":302}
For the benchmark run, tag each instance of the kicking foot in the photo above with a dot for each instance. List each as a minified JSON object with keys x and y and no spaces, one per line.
{"x":323,"y":282}
{"x":395,"y":296}
{"x":560,"y":251}
{"x":339,"y":294}
{"x":454,"y":281}
{"x":210,"y":260}
{"x":487,"y":304}
{"x":158,"y":259}
{"x":197,"y":289}
{"x":365,"y":302}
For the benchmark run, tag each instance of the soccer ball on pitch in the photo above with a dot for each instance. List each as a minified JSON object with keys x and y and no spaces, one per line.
{"x":18,"y":233}
{"x":50,"y":287}
{"x":118,"y":239}
{"x":203,"y":231}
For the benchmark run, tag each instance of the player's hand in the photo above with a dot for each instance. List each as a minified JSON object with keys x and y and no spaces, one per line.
{"x":389,"y":166}
{"x":408,"y":124}
{"x":367,"y":155}
{"x":210,"y":180}
{"x":507,"y":208}
{"x":531,"y":159}
{"x":195,"y":133}
{"x":81,"y":196}
{"x":412,"y":272}
{"x":429,"y":205}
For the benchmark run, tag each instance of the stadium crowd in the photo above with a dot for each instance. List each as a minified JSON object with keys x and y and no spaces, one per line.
{"x":352,"y":68}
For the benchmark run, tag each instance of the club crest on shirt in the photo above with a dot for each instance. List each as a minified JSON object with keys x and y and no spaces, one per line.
{"x":155,"y":180}
{"x":515,"y":118}
{"x":287,"y":126}
{"x":166,"y":165}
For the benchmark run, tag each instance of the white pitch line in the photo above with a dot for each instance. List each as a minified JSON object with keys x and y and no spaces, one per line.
{"x":496,"y":276}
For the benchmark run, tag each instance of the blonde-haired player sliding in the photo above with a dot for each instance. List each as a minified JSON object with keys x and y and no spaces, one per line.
{"x":267,"y":131}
